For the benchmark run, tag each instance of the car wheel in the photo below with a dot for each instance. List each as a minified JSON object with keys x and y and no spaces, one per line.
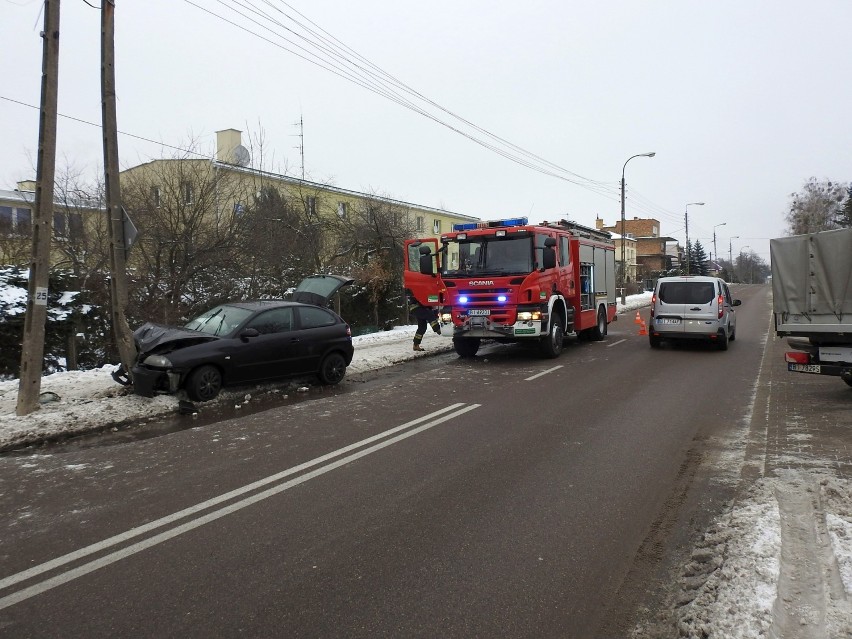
{"x":722,"y":341}
{"x":332,"y":369}
{"x":654,"y":340}
{"x":204,"y":383}
{"x":466,"y":346}
{"x":598,"y":333}
{"x":551,"y":344}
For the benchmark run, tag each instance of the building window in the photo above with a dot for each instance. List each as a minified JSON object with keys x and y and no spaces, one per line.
{"x":155,"y":196}
{"x":311,"y":203}
{"x":436,"y":226}
{"x":75,"y":226}
{"x":6,"y":219}
{"x":419,"y":222}
{"x":15,"y":221}
{"x":24,"y":222}
{"x":187,"y":193}
{"x":238,"y":208}
{"x":341,"y":209}
{"x":654,"y":231}
{"x":60,"y":227}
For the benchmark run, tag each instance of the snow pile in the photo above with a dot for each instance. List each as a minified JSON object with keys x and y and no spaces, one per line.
{"x":734,"y":585}
{"x":729,"y":586}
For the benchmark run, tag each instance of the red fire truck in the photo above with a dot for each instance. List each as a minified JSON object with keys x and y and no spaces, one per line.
{"x":511,"y":281}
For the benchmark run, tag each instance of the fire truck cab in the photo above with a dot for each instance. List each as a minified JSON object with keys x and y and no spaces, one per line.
{"x":508,"y":280}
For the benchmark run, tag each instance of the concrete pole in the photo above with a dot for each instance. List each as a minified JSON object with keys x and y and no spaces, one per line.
{"x":118,"y":280}
{"x":32,"y":351}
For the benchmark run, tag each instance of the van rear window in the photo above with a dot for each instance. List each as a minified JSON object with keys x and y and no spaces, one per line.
{"x":687,"y":292}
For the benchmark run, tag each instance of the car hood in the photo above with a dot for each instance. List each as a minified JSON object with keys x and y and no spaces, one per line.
{"x":149,"y":336}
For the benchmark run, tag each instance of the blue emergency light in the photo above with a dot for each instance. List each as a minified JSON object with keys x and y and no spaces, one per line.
{"x":470,"y":226}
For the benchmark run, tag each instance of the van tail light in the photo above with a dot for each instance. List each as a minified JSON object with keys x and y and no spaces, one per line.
{"x":721,"y":302}
{"x":653,"y":303}
{"x":797,"y":357}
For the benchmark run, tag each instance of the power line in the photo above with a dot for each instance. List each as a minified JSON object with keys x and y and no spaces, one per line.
{"x":382,"y":87}
{"x":98,"y":126}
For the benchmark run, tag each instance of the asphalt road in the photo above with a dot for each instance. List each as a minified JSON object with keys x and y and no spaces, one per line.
{"x":504,"y":496}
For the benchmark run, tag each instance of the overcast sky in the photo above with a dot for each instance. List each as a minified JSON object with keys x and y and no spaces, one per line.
{"x":741,"y":101}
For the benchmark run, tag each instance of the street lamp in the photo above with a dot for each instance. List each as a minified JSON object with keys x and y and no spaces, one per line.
{"x":715,"y":252}
{"x":623,"y":262}
{"x":686,"y":221}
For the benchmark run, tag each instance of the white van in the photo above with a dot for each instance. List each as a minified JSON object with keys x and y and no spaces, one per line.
{"x":693,"y":307}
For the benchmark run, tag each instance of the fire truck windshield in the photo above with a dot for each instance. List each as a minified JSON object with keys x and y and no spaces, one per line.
{"x":488,"y":255}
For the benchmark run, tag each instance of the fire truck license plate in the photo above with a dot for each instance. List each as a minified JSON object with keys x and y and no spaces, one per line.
{"x":804,"y":368}
{"x":479,"y":311}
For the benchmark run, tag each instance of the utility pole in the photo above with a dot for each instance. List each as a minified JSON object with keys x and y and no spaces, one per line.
{"x":731,"y":257}
{"x":118,"y":280}
{"x":32,"y":351}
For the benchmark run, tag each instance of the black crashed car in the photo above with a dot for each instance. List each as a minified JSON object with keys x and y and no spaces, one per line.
{"x":246,"y":342}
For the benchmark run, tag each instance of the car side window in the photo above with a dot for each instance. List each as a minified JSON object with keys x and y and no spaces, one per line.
{"x":314,"y":317}
{"x":728,"y":297}
{"x":277,"y":320}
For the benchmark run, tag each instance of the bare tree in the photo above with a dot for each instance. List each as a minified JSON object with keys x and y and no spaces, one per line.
{"x":189,"y":216}
{"x":369,"y":239}
{"x":817,"y":207}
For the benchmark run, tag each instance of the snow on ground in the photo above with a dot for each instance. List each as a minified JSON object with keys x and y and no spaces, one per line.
{"x":734,"y":571}
{"x":88,"y":400}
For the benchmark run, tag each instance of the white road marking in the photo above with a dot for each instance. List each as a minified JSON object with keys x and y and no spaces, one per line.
{"x":616,"y":343}
{"x":549,"y":370}
{"x":431,"y":420}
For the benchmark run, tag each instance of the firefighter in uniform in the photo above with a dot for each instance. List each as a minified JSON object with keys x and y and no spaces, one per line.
{"x":424,"y":315}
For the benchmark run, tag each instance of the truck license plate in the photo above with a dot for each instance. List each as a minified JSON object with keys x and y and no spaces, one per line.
{"x":804,"y":368}
{"x":479,"y":311}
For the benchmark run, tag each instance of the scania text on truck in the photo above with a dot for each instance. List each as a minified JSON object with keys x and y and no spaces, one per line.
{"x":510,"y":281}
{"x":812,"y":301}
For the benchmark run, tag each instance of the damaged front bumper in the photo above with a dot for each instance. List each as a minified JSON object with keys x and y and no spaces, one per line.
{"x":148,"y":382}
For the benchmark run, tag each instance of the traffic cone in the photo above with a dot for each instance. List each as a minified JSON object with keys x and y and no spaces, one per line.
{"x":638,"y":319}
{"x":643,"y":329}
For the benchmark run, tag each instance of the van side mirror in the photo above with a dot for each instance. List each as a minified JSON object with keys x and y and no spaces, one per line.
{"x":737,"y":303}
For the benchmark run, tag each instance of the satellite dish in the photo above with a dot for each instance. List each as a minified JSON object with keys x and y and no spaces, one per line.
{"x":241,"y":155}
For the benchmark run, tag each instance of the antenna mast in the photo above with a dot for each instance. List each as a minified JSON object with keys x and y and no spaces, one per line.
{"x":301,"y":147}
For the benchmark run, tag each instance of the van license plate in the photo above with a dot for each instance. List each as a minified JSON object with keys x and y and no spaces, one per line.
{"x":479,"y":311}
{"x":668,"y":320}
{"x":804,"y":368}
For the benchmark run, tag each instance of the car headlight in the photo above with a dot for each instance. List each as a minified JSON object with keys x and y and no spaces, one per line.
{"x":446,"y":318}
{"x":157,"y":361}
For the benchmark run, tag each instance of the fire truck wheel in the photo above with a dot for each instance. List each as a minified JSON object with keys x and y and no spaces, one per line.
{"x":551,"y":344}
{"x":466,"y":346}
{"x":599,"y":331}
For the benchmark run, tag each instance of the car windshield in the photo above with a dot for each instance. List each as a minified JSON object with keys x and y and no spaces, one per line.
{"x":686,"y":292}
{"x":489,"y":256}
{"x":220,"y":320}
